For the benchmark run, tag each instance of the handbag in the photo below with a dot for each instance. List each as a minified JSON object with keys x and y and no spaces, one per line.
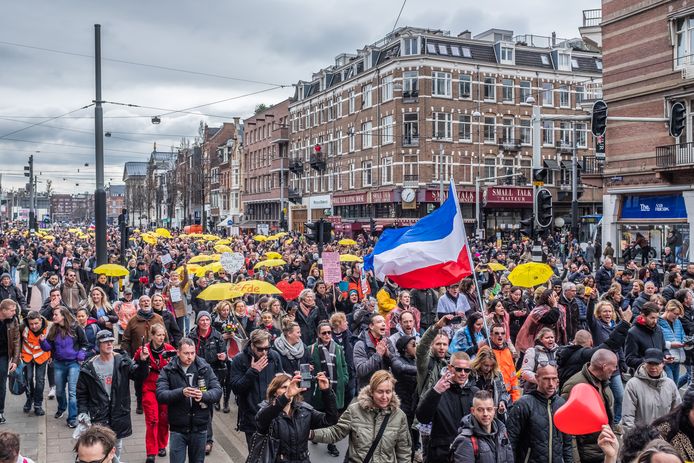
{"x":264,"y":448}
{"x":18,"y":383}
{"x":381,"y":430}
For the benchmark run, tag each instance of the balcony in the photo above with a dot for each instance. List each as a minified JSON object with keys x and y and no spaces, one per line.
{"x":509,"y":144}
{"x":410,"y":96}
{"x":410,"y":140}
{"x":294,"y":195}
{"x":280,"y":135}
{"x":410,"y":181}
{"x":317,"y":162}
{"x":593,"y":166}
{"x":564,"y":146}
{"x":296,"y":166}
{"x":674,"y":156}
{"x":592,"y":18}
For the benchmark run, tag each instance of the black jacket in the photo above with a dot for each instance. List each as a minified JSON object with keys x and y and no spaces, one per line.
{"x":529,"y":429}
{"x":92,"y":398}
{"x":444,"y":412}
{"x":405,"y":372}
{"x":14,"y":293}
{"x":639,"y":338}
{"x":570,"y":359}
{"x":185,"y":414}
{"x":249,"y":386}
{"x":426,"y":301}
{"x":603,"y":279}
{"x":293,"y":431}
{"x":493,"y":447}
{"x":209,"y":347}
{"x":308,"y":324}
{"x":171,"y":326}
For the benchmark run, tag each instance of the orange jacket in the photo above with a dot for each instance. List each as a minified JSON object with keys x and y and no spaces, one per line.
{"x":31,"y":345}
{"x":504,"y":358}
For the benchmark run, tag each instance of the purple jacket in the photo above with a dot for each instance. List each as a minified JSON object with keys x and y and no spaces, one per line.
{"x":67,"y":348}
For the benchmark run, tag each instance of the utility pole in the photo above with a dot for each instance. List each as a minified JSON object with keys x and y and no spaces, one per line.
{"x":29,"y":172}
{"x":441,"y":173}
{"x":99,"y":193}
{"x":574,"y":184}
{"x":536,"y":164}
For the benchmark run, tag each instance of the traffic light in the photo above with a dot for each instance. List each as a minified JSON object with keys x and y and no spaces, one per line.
{"x":528,"y":227}
{"x":678,"y":119}
{"x":544,"y":208}
{"x":540,"y":175}
{"x":312,"y":231}
{"x":598,"y":118}
{"x":27,"y":171}
{"x":325,"y":232}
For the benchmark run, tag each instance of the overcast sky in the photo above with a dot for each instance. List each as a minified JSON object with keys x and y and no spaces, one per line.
{"x":271,"y":42}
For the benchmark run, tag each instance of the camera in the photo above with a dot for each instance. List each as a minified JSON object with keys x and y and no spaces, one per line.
{"x":167,"y":354}
{"x":455,"y":321}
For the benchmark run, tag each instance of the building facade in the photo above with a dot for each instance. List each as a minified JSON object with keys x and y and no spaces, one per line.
{"x":115,"y":202}
{"x":649,"y":174}
{"x":214,"y":139}
{"x":266,"y":168}
{"x":158,"y":190}
{"x":135,"y":179}
{"x":377,"y":134}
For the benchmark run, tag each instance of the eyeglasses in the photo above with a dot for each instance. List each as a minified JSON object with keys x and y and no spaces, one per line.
{"x":499,"y":334}
{"x":462,"y":369}
{"x":77,"y":459}
{"x":326,"y":332}
{"x":262,"y":349}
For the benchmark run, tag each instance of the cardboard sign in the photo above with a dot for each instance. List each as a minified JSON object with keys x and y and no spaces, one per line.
{"x":232,"y":261}
{"x":175,"y":294}
{"x":166,"y":259}
{"x":332,"y":273}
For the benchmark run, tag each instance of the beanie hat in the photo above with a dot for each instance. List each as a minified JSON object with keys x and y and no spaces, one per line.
{"x":402,"y":342}
{"x":202,"y":313}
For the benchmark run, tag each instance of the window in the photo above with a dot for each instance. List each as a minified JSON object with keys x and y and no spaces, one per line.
{"x":544,"y":59}
{"x":506,"y":55}
{"x":338,"y":178}
{"x":581,"y":135}
{"x":547,"y":133}
{"x":598,"y":64}
{"x":386,"y":170}
{"x":525,"y":91}
{"x":410,"y":167}
{"x":339,"y":107}
{"x":410,"y":87}
{"x":386,"y":130}
{"x":366,"y":96}
{"x":564,"y":96}
{"x":563,"y":61}
{"x":350,"y":175}
{"x":367,"y":60}
{"x":580,"y":94}
{"x":465,"y":128}
{"x":410,"y":46}
{"x":565,"y":134}
{"x":352,"y":139}
{"x":443,"y":50}
{"x":431,"y":48}
{"x":466,"y":52}
{"x":442,"y":126}
{"x":490,"y":88}
{"x":331,"y":110}
{"x":489,"y":167}
{"x":547,"y":94}
{"x":352,"y":101}
{"x":443,"y":164}
{"x":387,"y":88}
{"x":338,"y":141}
{"x":507,"y":130}
{"x":465,"y":89}
{"x":410,"y":130}
{"x":441,"y":84}
{"x":574,"y":63}
{"x":455,"y":50}
{"x":366,"y":135}
{"x":507,"y":90}
{"x":490,"y":129}
{"x":366,"y":173}
{"x":525,"y":132}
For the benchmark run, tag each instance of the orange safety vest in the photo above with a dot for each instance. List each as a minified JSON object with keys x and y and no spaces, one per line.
{"x":31,"y":347}
{"x":507,"y":366}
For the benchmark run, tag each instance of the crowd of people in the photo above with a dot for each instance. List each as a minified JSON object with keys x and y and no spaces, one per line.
{"x":470,"y":372}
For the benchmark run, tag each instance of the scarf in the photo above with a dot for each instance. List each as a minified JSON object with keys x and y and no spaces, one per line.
{"x":327,"y":362}
{"x":287,"y":350}
{"x":454,"y":299}
{"x":145,"y":315}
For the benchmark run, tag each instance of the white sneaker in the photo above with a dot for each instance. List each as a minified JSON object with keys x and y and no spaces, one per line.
{"x":51,"y":393}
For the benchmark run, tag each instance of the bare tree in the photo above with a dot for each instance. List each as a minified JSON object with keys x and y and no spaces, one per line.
{"x":49,"y":188}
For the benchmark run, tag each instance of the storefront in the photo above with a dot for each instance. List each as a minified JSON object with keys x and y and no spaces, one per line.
{"x":504,"y":207}
{"x":641,"y":225}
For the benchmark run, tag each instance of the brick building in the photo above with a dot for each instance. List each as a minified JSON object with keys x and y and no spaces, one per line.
{"x":420,"y":107}
{"x":115,"y":202}
{"x":649,"y":175}
{"x":214,"y":138}
{"x":266,"y":166}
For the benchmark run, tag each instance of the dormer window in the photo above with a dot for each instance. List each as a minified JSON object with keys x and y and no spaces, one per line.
{"x":574,"y":63}
{"x":506,"y":55}
{"x":367,"y":60}
{"x":443,"y":50}
{"x":410,"y":46}
{"x":431,"y":48}
{"x":544,"y":59}
{"x":563,"y":61}
{"x":598,"y":64}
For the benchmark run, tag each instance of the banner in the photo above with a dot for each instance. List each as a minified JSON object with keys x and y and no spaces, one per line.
{"x":332,"y":272}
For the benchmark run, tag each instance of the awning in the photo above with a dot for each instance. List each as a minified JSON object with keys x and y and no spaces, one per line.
{"x":226,"y":222}
{"x":551,"y":164}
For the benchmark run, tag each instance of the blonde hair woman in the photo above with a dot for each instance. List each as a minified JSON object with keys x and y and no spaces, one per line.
{"x":100,"y":309}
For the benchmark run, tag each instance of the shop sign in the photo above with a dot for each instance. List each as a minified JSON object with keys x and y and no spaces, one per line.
{"x":382,"y":196}
{"x":319,"y":202}
{"x":348,"y":200}
{"x":464,"y":196}
{"x":509,"y":195}
{"x":653,"y":207}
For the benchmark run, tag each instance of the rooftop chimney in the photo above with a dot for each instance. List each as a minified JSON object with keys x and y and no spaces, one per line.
{"x":466,"y":34}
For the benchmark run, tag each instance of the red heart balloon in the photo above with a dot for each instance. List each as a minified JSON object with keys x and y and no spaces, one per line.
{"x":290,"y":291}
{"x":583,"y":413}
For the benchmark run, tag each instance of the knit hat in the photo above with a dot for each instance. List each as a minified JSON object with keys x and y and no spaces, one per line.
{"x":202,"y":313}
{"x":402,"y":342}
{"x":5,"y":275}
{"x":104,"y":336}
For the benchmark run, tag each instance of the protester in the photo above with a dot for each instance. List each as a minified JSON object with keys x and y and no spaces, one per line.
{"x":9,"y":347}
{"x":371,"y":351}
{"x":675,"y":427}
{"x":35,"y":360}
{"x":10,"y":447}
{"x":644,"y":334}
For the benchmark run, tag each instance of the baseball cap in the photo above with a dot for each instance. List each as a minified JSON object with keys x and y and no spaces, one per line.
{"x":653,"y":355}
{"x":104,"y":336}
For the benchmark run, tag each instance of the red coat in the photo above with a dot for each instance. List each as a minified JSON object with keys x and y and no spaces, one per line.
{"x":156,"y":363}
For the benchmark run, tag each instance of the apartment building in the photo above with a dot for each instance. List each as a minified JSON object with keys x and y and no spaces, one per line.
{"x":649,"y":174}
{"x":376,"y":134}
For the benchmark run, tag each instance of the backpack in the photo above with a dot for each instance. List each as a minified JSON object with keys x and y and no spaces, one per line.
{"x":475,"y":450}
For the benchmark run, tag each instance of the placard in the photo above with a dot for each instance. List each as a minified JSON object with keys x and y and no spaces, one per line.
{"x":231,"y":261}
{"x":175,"y":294}
{"x":166,"y":259}
{"x":332,"y":272}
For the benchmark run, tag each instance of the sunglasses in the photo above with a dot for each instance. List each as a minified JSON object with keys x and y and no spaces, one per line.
{"x":77,"y":459}
{"x":326,"y":332}
{"x":462,"y":369}
{"x":262,"y":349}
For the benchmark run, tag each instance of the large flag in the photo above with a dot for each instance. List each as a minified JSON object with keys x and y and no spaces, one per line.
{"x":432,"y":253}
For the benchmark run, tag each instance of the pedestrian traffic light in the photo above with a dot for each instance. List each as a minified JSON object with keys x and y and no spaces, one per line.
{"x":544,"y":208}
{"x":598,"y":118}
{"x":326,"y":231}
{"x":312,"y":231}
{"x":678,"y":119}
{"x":528,"y":227}
{"x":540,"y":175}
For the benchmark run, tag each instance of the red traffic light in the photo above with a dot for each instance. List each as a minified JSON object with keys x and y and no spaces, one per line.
{"x":317,"y":148}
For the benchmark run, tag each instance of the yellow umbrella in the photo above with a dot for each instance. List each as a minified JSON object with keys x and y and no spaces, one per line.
{"x":201,"y":258}
{"x":220,"y":292}
{"x":530,"y":274}
{"x":350,"y":258}
{"x":497,"y":267}
{"x":210,"y":237}
{"x":137,"y":230}
{"x":347,"y":242}
{"x":214,"y":267}
{"x":195,"y":235}
{"x":48,"y":237}
{"x":257,"y":287}
{"x":273,"y":238}
{"x":260,"y":238}
{"x":270,"y":263}
{"x":183,"y":235}
{"x":281,"y":234}
{"x":226,"y":241}
{"x":273,"y":255}
{"x":163,"y":232}
{"x":74,"y":230}
{"x":222,"y":248}
{"x":191,"y":268}
{"x":149,"y":239}
{"x":289,"y":241}
{"x":112,"y":270}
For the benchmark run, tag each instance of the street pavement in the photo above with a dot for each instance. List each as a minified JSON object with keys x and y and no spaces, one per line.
{"x":47,"y":440}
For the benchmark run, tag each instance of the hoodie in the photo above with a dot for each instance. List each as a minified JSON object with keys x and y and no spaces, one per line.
{"x":647,"y":398}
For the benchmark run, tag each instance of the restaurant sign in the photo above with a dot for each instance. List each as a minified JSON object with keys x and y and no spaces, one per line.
{"x":506,"y":195}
